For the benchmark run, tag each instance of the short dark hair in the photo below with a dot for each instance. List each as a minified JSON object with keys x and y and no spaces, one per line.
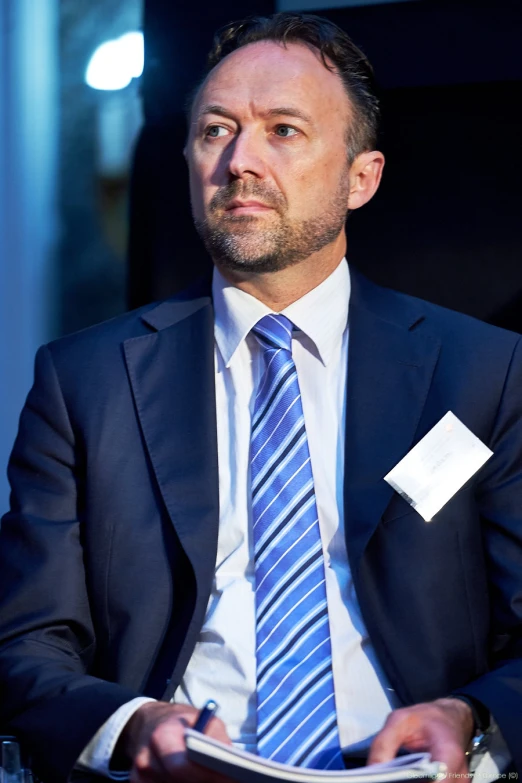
{"x":335,"y":48}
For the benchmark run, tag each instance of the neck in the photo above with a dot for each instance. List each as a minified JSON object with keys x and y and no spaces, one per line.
{"x":279,"y":289}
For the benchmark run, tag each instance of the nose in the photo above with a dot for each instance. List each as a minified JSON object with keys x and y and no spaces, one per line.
{"x":246,"y":156}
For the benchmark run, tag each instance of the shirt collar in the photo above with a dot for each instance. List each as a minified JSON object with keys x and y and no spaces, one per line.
{"x":322,"y":313}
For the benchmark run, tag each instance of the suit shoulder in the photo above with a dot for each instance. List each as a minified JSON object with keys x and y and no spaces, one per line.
{"x":103,"y":335}
{"x":432,"y":317}
{"x":455,"y":323}
{"x":106,"y":337}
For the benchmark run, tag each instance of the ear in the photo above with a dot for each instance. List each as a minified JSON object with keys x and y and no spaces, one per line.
{"x":365,"y":177}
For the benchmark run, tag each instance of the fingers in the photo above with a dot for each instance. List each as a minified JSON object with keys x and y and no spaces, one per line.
{"x":396,"y":731}
{"x":156,"y":740}
{"x":436,"y":727}
{"x":146,"y":768}
{"x":167,"y":753}
{"x":217,"y":730}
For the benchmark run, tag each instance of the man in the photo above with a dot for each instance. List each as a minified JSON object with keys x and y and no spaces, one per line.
{"x":150,"y":490}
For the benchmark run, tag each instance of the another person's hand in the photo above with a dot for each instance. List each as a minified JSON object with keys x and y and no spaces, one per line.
{"x":153,"y":742}
{"x":443,"y":728}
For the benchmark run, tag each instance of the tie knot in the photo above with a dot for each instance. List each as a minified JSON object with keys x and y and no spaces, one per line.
{"x":274,"y":331}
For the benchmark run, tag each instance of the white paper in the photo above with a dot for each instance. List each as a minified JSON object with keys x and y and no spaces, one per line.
{"x":438,"y":466}
{"x":246,"y":767}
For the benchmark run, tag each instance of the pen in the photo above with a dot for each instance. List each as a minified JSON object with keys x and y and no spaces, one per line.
{"x":205,"y":715}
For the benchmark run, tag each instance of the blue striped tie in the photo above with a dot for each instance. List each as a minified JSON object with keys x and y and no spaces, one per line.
{"x":297,"y":722}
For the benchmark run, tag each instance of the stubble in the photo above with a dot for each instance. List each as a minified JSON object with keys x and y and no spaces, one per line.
{"x":271,"y":242}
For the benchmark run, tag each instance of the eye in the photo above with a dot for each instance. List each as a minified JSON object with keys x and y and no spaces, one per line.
{"x":215,"y":131}
{"x":285,"y":131}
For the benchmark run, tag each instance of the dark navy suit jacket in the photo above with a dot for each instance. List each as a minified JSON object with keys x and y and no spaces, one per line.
{"x":108,"y":552}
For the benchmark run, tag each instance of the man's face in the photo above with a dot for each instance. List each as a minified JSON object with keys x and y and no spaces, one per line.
{"x":267,"y":155}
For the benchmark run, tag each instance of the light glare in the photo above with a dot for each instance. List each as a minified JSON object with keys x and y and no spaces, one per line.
{"x":115,"y":63}
{"x":133,"y":51}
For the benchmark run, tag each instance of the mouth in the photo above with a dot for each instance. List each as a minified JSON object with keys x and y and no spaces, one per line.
{"x":250,"y":207}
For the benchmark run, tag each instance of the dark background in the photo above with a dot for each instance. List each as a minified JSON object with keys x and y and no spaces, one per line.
{"x":445,"y":224}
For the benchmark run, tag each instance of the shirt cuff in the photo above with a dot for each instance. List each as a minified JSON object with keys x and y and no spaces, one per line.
{"x":96,"y":756}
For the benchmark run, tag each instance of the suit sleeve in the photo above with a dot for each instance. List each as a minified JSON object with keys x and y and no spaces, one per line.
{"x":500,"y":503}
{"x":47,"y":640}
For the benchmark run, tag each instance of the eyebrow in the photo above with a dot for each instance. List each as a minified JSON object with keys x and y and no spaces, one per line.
{"x":279,"y":111}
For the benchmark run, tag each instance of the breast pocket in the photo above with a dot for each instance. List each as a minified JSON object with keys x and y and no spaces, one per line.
{"x":462,"y":503}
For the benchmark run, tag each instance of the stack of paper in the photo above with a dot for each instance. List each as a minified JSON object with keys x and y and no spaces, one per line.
{"x":248,"y":768}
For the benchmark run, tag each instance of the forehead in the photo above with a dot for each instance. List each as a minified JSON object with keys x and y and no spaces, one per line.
{"x":267,"y":74}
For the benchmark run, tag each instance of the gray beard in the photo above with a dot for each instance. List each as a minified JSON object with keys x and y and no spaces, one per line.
{"x":234,"y":244}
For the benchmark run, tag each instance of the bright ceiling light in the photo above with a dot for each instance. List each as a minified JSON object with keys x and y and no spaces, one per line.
{"x":133,"y":51}
{"x":115,"y":63}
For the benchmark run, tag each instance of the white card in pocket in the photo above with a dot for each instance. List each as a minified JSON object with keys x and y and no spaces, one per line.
{"x":438,"y":466}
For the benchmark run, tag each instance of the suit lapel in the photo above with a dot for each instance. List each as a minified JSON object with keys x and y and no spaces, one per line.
{"x":172,"y":376}
{"x":390,"y":366}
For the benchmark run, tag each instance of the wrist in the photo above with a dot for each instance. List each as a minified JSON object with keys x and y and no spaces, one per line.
{"x":463,"y":717}
{"x":481,"y":714}
{"x":127,"y":744}
{"x":479,"y":739}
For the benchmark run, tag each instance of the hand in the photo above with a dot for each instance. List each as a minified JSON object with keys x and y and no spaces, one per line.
{"x":153,"y":741}
{"x":443,"y":727}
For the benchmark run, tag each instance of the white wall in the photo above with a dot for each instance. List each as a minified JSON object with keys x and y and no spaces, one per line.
{"x":28,"y":223}
{"x":316,"y":5}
